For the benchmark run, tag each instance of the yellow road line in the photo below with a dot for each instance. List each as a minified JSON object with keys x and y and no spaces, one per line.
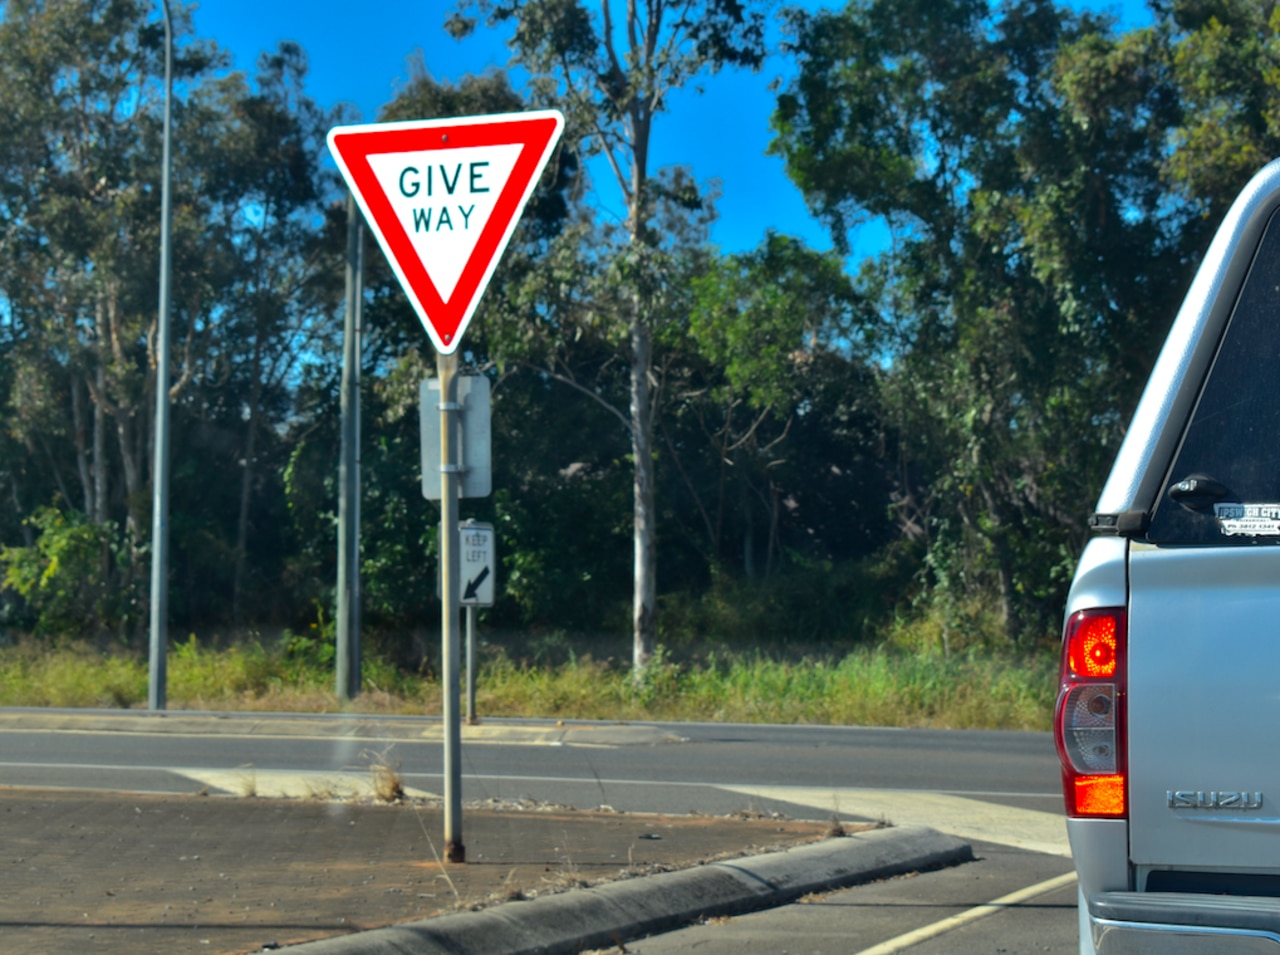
{"x":972,"y":915}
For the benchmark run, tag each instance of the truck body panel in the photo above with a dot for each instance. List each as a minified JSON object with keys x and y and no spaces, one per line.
{"x":1203,"y":707}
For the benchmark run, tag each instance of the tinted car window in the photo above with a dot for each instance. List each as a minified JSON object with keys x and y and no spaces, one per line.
{"x":1224,"y":486}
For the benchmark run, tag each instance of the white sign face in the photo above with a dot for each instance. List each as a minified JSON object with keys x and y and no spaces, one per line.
{"x":443,"y":197}
{"x":477,"y":558}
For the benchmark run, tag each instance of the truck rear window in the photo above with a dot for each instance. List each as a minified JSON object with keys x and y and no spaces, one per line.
{"x":1224,"y":486}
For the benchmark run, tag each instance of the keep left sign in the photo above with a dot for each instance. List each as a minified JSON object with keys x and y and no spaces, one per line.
{"x":443,"y":198}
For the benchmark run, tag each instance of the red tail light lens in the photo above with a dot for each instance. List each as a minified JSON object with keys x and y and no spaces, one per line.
{"x":1089,"y":722}
{"x":1099,"y":795}
{"x":1093,"y":645}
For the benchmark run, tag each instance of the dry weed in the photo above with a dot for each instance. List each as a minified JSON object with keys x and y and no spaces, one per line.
{"x":323,"y":790}
{"x":387,"y":785}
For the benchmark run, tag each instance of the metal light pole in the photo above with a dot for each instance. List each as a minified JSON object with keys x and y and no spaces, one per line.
{"x":160,"y":472}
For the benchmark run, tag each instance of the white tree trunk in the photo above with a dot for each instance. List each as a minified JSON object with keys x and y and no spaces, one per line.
{"x":644,"y":611}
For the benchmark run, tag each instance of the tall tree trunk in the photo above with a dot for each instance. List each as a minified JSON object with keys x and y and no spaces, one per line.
{"x":124,"y":410}
{"x":90,"y":482}
{"x":722,"y":486}
{"x":242,"y":522}
{"x":28,"y":535}
{"x":644,"y":615}
{"x":998,"y":537}
{"x":772,"y":553}
{"x":99,"y":455}
{"x":53,"y":463}
{"x":80,"y":430}
{"x":126,"y":437}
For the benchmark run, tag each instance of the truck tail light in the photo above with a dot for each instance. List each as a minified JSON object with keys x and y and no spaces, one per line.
{"x":1089,"y":718}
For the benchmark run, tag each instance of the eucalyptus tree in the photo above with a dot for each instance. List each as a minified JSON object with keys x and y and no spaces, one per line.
{"x":612,"y":68}
{"x":773,"y":428}
{"x":1223,"y":60}
{"x":79,"y":149}
{"x":280,"y":291}
{"x":1015,"y":154}
{"x":81,"y":92}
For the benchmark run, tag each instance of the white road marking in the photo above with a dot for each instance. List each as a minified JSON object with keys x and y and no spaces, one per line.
{"x":1027,"y":829}
{"x":908,"y":939}
{"x":290,"y":785}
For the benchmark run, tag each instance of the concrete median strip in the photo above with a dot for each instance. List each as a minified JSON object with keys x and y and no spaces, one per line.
{"x":1028,"y":829}
{"x":609,"y":914}
{"x":267,"y":784}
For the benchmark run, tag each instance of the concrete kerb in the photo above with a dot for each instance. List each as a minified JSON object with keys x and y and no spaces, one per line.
{"x":606,"y":915}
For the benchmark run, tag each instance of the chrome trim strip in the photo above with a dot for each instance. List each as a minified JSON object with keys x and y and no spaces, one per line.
{"x":1188,"y":815}
{"x":1129,"y":938}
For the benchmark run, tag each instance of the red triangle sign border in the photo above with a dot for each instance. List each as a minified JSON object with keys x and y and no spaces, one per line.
{"x":535,"y":132}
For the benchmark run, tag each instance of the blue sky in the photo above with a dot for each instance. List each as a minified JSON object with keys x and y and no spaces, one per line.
{"x":359,"y":54}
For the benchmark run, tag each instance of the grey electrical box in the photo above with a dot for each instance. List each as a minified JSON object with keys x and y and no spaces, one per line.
{"x":474,"y":441}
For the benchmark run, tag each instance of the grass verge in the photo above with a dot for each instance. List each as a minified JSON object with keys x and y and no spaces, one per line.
{"x":880,"y":687}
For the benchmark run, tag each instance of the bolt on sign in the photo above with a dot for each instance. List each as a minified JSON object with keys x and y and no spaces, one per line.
{"x":443,"y":197}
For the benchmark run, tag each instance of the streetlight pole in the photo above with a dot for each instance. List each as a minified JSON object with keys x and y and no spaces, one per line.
{"x":160,"y":471}
{"x":347,"y":656}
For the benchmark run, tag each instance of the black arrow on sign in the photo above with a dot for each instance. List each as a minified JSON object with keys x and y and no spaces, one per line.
{"x":474,"y":585}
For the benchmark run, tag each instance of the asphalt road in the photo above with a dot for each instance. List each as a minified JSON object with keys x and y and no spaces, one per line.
{"x":639,"y":767}
{"x":1007,"y":902}
{"x":998,"y":789}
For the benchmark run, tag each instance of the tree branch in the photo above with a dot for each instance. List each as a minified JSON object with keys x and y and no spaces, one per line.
{"x":577,"y":386}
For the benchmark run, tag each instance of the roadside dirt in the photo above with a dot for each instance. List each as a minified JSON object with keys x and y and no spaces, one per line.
{"x":102,"y":872}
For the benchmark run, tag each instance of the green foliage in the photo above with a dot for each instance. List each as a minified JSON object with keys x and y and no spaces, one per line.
{"x":69,"y":675}
{"x":504,"y":687}
{"x":864,"y":687}
{"x":70,"y":576}
{"x":760,"y":317}
{"x":1224,"y":62}
{"x":245,"y":675}
{"x":805,"y":609}
{"x":829,"y":455}
{"x":197,"y":673}
{"x":1019,"y":155}
{"x":612,"y":78}
{"x":312,"y":650}
{"x":658,"y":685}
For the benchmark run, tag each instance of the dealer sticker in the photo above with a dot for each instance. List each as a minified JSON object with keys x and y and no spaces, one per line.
{"x":1248,"y":520}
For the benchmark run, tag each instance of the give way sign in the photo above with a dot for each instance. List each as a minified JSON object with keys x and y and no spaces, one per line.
{"x":443,"y":197}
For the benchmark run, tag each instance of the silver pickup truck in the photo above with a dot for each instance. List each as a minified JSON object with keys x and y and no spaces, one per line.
{"x":1168,"y":716}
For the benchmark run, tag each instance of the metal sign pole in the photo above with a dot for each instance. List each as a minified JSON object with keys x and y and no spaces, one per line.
{"x":471,"y":666}
{"x":355,"y":673}
{"x":450,"y":593}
